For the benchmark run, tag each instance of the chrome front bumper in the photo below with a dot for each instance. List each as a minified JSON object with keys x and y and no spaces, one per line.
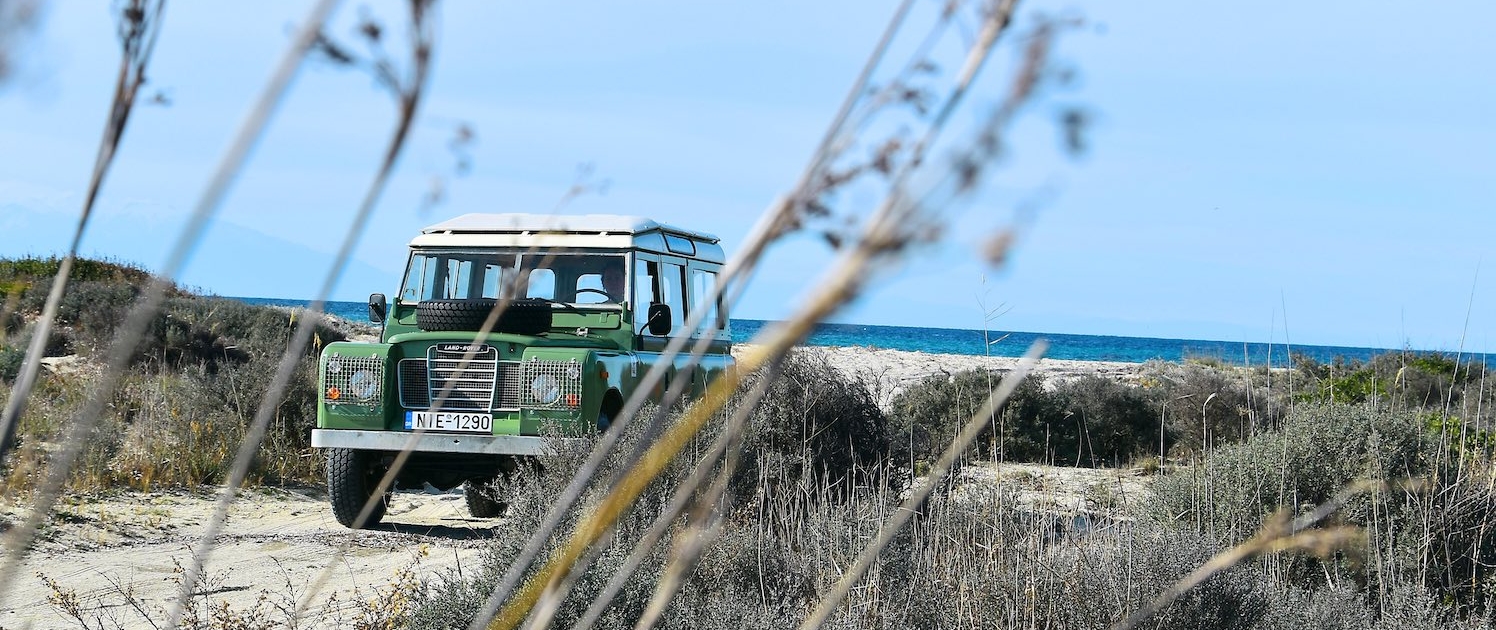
{"x":437,"y":442}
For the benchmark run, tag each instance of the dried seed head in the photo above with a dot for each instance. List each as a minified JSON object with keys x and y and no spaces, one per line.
{"x":995,"y":251}
{"x":370,"y":30}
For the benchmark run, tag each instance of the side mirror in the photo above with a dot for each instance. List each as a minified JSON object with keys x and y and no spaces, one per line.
{"x":378,"y":308}
{"x":659,"y":319}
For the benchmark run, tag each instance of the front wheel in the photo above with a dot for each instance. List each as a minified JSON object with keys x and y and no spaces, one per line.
{"x":352,"y":477}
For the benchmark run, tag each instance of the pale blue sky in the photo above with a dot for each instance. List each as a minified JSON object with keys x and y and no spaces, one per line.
{"x":1326,"y":163}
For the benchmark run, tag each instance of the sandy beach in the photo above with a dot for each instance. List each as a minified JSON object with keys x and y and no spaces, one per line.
{"x":888,"y":372}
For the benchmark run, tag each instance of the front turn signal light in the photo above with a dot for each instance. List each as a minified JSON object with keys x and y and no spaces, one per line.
{"x":572,"y":401}
{"x":333,"y":393}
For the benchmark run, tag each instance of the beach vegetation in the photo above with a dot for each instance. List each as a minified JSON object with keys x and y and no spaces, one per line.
{"x":816,"y":428}
{"x":1403,"y":379}
{"x":196,"y":380}
{"x":1406,"y":544}
{"x":926,"y":416}
{"x":988,"y":556}
{"x":822,"y":465}
{"x":1086,"y":421}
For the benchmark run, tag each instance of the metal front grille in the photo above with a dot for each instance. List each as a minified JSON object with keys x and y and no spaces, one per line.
{"x":414,"y":390}
{"x":510,"y":375}
{"x":457,"y":382}
{"x":339,"y":385}
{"x":567,"y":375}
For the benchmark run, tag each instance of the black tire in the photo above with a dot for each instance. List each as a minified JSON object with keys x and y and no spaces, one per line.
{"x":351,"y":480}
{"x":480,"y":500}
{"x":525,"y":317}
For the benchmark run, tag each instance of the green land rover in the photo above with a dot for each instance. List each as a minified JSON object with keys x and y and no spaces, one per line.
{"x":577,"y":309}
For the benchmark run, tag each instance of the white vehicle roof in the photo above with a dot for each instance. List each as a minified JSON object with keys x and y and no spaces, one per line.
{"x":586,"y":231}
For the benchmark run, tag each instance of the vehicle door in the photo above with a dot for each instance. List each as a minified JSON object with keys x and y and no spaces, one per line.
{"x":658,"y":280}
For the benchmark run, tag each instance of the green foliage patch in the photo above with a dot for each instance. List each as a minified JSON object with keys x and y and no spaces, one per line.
{"x":197,"y":378}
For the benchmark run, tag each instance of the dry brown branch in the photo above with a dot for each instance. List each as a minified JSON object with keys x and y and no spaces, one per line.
{"x":770,"y":226}
{"x":139,"y":24}
{"x":408,"y":92}
{"x":19,"y":538}
{"x":895,"y":224}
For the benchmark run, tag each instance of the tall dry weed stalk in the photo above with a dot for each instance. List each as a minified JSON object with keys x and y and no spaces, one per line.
{"x":906,"y":216}
{"x":407,"y":89}
{"x":139,"y":24}
{"x":18,"y":539}
{"x":18,"y":18}
{"x":915,"y":189}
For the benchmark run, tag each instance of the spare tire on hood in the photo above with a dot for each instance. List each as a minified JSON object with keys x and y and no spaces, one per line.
{"x":524,"y":317}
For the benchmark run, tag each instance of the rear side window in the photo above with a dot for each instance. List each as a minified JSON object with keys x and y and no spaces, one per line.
{"x":703,"y":294}
{"x":659,"y":283}
{"x":673,"y":284}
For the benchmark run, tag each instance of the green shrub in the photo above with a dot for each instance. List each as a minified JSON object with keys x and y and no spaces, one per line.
{"x":1404,"y":380}
{"x":1119,"y":421}
{"x":31,"y":269}
{"x":816,"y":428}
{"x":201,"y":371}
{"x":189,"y":331}
{"x":1319,"y":451}
{"x":928,"y":415}
{"x":1205,"y":406}
{"x":1088,"y":421}
{"x":11,"y":358}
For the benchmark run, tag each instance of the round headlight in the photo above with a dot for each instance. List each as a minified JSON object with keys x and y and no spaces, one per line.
{"x":545,"y":389}
{"x":362,"y":385}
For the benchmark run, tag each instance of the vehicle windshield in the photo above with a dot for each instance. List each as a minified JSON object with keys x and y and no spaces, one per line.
{"x":579,"y":278}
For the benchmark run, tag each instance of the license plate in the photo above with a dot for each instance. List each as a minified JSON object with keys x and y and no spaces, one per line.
{"x":449,"y":421}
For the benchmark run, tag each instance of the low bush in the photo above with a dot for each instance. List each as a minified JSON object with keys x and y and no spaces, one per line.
{"x":1429,"y":525}
{"x":816,"y":431}
{"x":29,"y":270}
{"x":927,"y":416}
{"x":1205,"y":406}
{"x":200,"y":374}
{"x":1119,"y":422}
{"x":1088,"y":421}
{"x":11,"y":358}
{"x":1319,"y":451}
{"x":1401,"y":380}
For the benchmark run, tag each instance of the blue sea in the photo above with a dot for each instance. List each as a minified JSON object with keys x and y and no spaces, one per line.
{"x":1007,"y":344}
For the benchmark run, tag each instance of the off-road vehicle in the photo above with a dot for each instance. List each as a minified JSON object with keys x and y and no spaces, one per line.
{"x":577,"y":309}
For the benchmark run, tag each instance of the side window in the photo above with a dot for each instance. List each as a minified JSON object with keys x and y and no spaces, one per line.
{"x":673,"y":290}
{"x":703,"y":292}
{"x":646,"y":291}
